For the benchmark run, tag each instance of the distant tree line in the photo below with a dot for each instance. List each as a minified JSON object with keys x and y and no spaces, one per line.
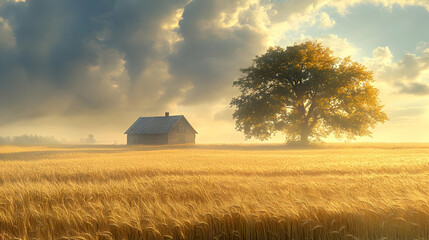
{"x":89,"y":140}
{"x":28,"y":140}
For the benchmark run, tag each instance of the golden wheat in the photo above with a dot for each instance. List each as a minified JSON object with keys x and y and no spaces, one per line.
{"x":214,"y":192}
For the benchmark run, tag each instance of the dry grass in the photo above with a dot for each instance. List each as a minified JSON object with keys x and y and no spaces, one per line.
{"x":214,"y":192}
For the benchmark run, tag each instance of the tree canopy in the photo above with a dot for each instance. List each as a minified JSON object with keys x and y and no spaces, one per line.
{"x":307,"y":93}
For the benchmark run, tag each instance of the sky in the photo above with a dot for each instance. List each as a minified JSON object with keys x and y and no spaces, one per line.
{"x":70,"y":68}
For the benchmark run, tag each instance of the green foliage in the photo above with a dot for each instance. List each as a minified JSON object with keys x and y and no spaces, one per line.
{"x":307,"y":93}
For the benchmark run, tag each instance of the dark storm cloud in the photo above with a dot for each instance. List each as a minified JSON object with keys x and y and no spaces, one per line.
{"x":210,"y":55}
{"x":75,"y":57}
{"x":54,"y":45}
{"x":135,"y":29}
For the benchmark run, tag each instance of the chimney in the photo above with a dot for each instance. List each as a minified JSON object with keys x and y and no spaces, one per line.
{"x":167,"y":114}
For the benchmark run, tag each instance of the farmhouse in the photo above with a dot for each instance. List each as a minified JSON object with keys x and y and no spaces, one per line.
{"x":161,"y":130}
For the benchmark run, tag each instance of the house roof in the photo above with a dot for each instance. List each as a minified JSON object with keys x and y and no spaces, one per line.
{"x":155,"y":125}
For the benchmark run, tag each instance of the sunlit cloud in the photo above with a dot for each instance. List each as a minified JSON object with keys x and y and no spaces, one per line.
{"x":409,"y":75}
{"x":326,"y":21}
{"x":7,"y":38}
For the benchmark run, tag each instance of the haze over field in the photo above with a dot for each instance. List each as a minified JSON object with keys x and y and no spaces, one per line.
{"x":70,"y":68}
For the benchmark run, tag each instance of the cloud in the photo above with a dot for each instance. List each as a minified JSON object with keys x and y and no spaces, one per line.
{"x":409,"y":75}
{"x":294,"y":15}
{"x":414,"y":88}
{"x":72,"y":57}
{"x":340,"y":46}
{"x":7,"y":39}
{"x":381,"y":56}
{"x":219,"y":37}
{"x":342,"y":5}
{"x":326,"y":21}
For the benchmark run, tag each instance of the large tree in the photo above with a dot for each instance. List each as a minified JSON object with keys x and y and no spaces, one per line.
{"x":307,"y":93}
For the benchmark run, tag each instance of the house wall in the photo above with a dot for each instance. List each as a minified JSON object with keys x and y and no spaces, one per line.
{"x":147,"y":139}
{"x":181,"y":133}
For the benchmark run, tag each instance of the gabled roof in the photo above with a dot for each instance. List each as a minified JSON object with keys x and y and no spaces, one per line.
{"x":155,"y":125}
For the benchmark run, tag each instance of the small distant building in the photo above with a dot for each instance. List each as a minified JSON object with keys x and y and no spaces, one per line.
{"x":161,"y":130}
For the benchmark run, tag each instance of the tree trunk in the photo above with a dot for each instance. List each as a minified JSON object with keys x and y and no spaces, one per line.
{"x":304,"y":139}
{"x":305,"y":132}
{"x":305,"y":129}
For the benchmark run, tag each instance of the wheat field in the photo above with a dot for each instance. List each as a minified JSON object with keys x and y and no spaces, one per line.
{"x":215,"y":192}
